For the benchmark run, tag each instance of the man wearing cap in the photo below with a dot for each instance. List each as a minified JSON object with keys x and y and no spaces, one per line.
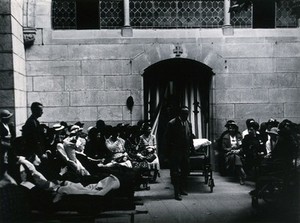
{"x":179,"y":143}
{"x":33,"y":133}
{"x":7,"y":134}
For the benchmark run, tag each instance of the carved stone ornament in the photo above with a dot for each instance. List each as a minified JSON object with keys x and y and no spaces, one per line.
{"x":29,"y":36}
{"x":178,"y":51}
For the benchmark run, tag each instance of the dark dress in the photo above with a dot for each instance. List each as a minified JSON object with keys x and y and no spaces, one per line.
{"x":231,"y":159}
{"x":254,"y":150}
{"x":96,"y":149}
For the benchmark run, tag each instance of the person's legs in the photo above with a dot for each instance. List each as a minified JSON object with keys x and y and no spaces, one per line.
{"x":241,"y":174}
{"x":239,"y":169}
{"x":185,"y":170}
{"x":175,"y":175}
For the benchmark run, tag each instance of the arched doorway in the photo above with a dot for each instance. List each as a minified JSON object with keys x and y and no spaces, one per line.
{"x":170,"y":84}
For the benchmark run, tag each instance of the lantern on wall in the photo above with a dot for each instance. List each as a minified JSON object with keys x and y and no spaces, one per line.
{"x":130,"y":103}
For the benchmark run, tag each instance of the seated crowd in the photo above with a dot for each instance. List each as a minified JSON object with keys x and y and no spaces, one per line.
{"x":66,"y":160}
{"x":243,"y":153}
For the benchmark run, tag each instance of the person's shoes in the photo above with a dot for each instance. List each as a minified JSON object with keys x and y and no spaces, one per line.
{"x":178,"y":197}
{"x":242,"y":182}
{"x":182,"y":192}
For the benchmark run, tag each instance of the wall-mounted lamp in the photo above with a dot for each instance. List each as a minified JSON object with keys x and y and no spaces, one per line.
{"x":130,"y":103}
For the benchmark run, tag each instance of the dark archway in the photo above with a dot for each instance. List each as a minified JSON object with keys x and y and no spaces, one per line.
{"x":170,"y":84}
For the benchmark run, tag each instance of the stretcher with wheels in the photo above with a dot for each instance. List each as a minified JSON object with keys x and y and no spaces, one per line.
{"x":200,"y":162}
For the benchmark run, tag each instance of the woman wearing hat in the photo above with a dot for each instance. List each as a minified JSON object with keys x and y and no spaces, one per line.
{"x":231,"y":145}
{"x":73,"y":143}
{"x":7,"y":134}
{"x":147,"y":142}
{"x":272,"y":135}
{"x":115,"y":144}
{"x":254,"y":149}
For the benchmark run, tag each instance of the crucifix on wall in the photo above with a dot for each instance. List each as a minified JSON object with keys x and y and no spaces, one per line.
{"x":178,"y":50}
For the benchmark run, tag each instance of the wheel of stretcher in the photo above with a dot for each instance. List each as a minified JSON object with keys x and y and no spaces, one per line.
{"x":272,"y":192}
{"x":211,"y":184}
{"x":205,"y":178}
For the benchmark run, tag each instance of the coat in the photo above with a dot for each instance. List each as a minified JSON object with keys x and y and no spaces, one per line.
{"x":32,"y":133}
{"x":179,"y":138}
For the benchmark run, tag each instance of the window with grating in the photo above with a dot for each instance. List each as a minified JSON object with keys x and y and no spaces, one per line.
{"x":64,"y":14}
{"x":242,"y":19}
{"x":284,"y":16}
{"x":161,"y":14}
{"x":111,"y":14}
{"x":166,"y":14}
{"x":87,"y":14}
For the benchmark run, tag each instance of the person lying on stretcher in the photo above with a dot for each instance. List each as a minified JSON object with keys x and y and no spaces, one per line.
{"x":29,"y":177}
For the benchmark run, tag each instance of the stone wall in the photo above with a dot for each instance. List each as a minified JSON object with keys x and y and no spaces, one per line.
{"x":260,"y":80}
{"x":12,"y":61}
{"x":88,"y":74}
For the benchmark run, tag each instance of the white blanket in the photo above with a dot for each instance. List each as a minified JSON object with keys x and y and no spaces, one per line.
{"x":198,"y":143}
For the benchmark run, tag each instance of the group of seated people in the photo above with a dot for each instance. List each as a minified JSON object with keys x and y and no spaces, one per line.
{"x":66,"y":160}
{"x":243,"y":153}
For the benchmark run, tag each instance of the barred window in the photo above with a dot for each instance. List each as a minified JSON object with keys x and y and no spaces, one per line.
{"x":87,"y":14}
{"x":75,"y":14}
{"x":167,"y":14}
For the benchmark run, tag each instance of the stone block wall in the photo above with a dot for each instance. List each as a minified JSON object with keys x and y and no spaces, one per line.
{"x":260,"y":80}
{"x":88,"y":74}
{"x":12,"y":61}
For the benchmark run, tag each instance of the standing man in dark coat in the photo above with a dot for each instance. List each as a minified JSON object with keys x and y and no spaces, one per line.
{"x":179,"y":142}
{"x":33,"y":133}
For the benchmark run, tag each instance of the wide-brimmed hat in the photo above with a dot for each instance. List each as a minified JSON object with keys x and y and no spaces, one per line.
{"x":253,"y":124}
{"x":57,"y":127}
{"x":80,"y":124}
{"x":74,"y":129}
{"x":272,"y":121}
{"x":90,"y":128}
{"x":248,"y":121}
{"x":273,"y":131}
{"x":231,"y":123}
{"x":5,"y":114}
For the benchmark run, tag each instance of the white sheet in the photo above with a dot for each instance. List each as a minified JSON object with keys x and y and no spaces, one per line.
{"x":198,"y":143}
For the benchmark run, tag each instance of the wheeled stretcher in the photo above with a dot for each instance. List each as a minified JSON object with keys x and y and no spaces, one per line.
{"x":200,"y":162}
